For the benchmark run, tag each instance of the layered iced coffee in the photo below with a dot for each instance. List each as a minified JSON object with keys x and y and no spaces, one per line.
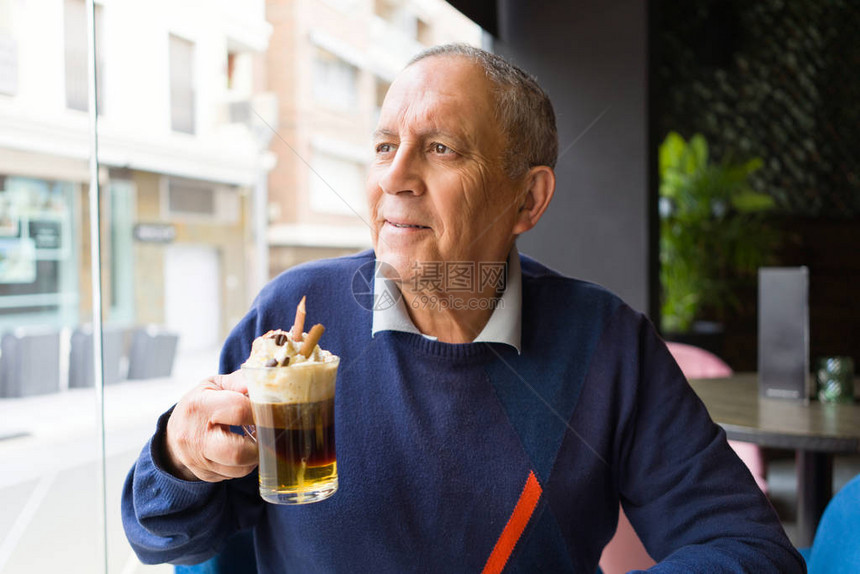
{"x":291,"y":384}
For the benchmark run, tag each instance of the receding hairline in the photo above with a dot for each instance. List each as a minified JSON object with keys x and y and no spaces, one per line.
{"x":492,"y":86}
{"x":523,"y":109}
{"x":427,"y":55}
{"x":475,"y":61}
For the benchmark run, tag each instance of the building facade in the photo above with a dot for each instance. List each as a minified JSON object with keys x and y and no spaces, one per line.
{"x":330,"y":63}
{"x":182,"y":160}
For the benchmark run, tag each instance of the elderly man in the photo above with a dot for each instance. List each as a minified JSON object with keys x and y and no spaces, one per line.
{"x":490,"y":415}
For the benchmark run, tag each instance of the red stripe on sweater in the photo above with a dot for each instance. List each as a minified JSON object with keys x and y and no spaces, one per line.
{"x":514,"y":528}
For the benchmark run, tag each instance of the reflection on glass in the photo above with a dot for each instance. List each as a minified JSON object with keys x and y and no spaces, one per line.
{"x":122,"y":197}
{"x":201,"y":201}
{"x":75,"y":52}
{"x":38,"y":258}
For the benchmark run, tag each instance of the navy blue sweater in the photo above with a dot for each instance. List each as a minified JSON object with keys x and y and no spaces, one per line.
{"x":443,"y":447}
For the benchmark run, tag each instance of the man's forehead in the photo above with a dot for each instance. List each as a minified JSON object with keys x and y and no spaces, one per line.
{"x":426,"y":113}
{"x":441,"y":70}
{"x":438,"y":93}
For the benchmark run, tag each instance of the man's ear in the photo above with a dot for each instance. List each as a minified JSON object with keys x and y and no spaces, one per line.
{"x":534,"y":198}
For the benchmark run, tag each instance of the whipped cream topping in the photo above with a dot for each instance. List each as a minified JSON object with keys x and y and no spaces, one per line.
{"x":277,"y":349}
{"x":301,"y":380}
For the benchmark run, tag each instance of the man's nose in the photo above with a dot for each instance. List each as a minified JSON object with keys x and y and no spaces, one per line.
{"x":403,"y":174}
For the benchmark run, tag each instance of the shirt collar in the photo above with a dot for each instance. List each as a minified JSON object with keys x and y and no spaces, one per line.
{"x":504,"y":326}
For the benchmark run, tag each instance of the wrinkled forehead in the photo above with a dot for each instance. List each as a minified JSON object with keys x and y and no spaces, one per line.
{"x":440,"y":90}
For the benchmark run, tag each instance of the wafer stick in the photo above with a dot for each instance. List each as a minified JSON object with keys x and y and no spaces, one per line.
{"x":312,"y":340}
{"x":299,"y":323}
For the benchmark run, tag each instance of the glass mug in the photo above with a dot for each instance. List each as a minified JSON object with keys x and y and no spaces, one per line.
{"x":293,"y":409}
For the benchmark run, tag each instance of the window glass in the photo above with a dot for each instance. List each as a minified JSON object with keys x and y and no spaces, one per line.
{"x":38,"y":259}
{"x":182,"y":107}
{"x":122,"y":199}
{"x":75,"y":54}
{"x":335,"y":81}
{"x":49,"y":456}
{"x":8,"y":50}
{"x":215,"y":162}
{"x":337,"y":186}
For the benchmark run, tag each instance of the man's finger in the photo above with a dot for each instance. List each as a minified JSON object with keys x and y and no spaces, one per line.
{"x":235,"y":381}
{"x":214,"y":472}
{"x":229,"y":449}
{"x":228,"y":408}
{"x":218,"y":472}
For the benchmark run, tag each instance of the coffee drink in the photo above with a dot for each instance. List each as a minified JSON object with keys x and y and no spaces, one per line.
{"x":297,"y":450}
{"x":293,"y":407}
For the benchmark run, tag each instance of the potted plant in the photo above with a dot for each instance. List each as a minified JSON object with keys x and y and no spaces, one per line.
{"x":713,"y":234}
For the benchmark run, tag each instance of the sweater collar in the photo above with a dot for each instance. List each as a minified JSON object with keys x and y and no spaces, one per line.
{"x":504,"y":326}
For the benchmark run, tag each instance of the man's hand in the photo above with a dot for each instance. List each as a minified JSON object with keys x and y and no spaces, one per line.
{"x":199,"y":443}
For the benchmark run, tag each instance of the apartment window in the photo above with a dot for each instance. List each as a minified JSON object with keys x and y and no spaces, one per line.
{"x":337,"y":186}
{"x":199,"y":201}
{"x":335,"y":82}
{"x":77,"y":82}
{"x":381,"y":90}
{"x":181,"y":85}
{"x":8,"y":64}
{"x":398,"y":16}
{"x":231,"y":69}
{"x":8,"y":50}
{"x":424,"y":32}
{"x":240,"y":73}
{"x":187,"y":197}
{"x":385,"y":9}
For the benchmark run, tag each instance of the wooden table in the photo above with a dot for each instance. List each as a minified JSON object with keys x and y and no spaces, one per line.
{"x":816,"y":431}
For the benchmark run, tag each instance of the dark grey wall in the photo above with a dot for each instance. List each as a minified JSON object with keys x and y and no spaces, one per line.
{"x":591,"y":57}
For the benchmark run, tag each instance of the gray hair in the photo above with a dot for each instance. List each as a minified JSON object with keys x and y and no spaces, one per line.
{"x":523,"y":109}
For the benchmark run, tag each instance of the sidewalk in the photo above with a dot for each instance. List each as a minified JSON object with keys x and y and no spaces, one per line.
{"x":50,"y":422}
{"x":50,"y":470}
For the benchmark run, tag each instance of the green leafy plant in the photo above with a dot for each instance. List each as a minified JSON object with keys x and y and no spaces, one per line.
{"x":714,"y":234}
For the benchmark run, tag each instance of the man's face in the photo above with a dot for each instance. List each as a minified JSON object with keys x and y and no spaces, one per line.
{"x":437,"y":187}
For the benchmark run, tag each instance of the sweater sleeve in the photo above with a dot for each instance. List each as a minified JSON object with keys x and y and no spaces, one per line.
{"x":690,"y":498}
{"x":167,"y":519}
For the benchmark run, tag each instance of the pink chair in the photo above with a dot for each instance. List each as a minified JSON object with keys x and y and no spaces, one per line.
{"x":698,"y":363}
{"x":625,"y":551}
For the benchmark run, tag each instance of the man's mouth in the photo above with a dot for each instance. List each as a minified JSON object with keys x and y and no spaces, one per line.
{"x":406,"y":225}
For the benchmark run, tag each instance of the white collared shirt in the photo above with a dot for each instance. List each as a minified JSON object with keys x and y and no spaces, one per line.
{"x":504,"y":326}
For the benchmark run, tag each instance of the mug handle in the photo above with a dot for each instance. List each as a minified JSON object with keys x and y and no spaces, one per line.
{"x":250,"y":430}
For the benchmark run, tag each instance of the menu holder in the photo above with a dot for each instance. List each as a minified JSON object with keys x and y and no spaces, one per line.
{"x":783,"y":332}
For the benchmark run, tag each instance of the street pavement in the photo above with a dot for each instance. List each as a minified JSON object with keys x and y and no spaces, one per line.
{"x":50,"y":503}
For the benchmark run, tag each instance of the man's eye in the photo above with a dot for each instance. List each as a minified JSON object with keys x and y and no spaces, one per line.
{"x":383,"y":148}
{"x":441,"y":148}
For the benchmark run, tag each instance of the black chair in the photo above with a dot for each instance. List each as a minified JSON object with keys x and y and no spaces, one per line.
{"x":81,"y":372}
{"x":152,"y":352}
{"x":30,"y":362}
